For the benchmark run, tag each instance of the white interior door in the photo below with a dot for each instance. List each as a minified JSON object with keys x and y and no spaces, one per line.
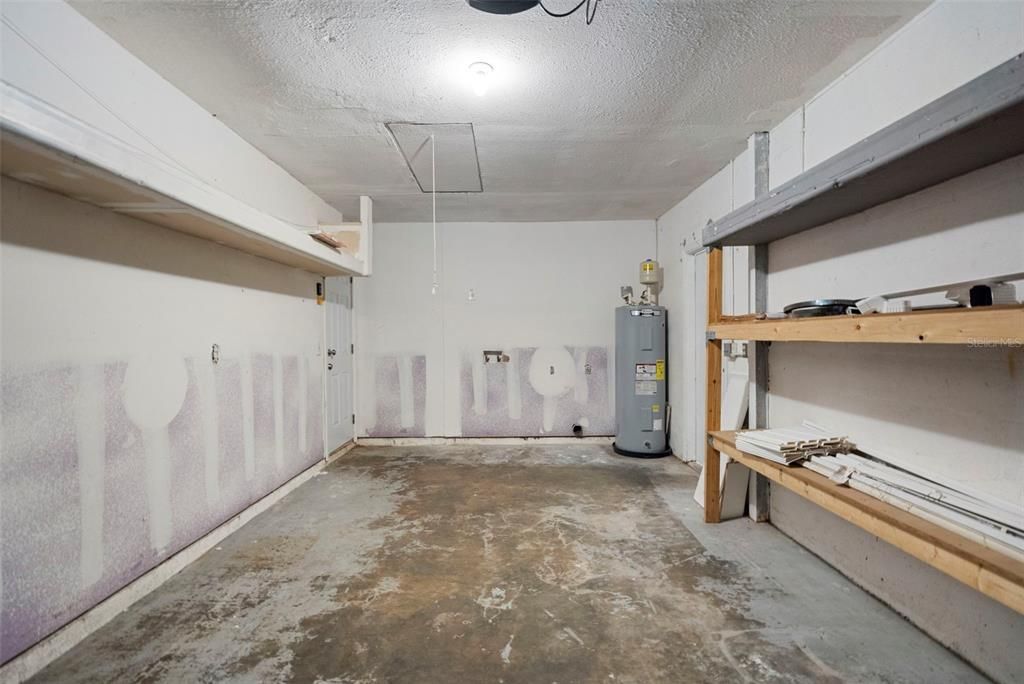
{"x":338,"y":293}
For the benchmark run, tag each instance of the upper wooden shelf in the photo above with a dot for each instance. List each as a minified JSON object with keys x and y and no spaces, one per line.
{"x":994,"y":574}
{"x":978,"y":124}
{"x":44,"y":146}
{"x":983,"y":325}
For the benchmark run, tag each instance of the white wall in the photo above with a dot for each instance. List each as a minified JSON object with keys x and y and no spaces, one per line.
{"x":956,"y":412}
{"x":535,"y":286}
{"x":122,"y":441}
{"x":685,"y":293}
{"x":55,"y":54}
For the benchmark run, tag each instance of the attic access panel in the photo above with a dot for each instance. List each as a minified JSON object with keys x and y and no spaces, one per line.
{"x":458,"y":166}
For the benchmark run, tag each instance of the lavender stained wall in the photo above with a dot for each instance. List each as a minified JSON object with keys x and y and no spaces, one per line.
{"x":500,"y":399}
{"x":534,"y":291}
{"x":122,"y":442}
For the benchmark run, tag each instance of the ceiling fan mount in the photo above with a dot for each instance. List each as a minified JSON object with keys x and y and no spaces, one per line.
{"x":517,"y":6}
{"x":503,"y":6}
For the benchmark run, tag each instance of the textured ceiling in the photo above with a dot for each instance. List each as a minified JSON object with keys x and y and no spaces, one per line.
{"x":620,"y":119}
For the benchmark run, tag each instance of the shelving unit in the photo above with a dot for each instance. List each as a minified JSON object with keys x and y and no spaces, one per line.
{"x":42,"y":145}
{"x":990,"y":572}
{"x":976,"y":125}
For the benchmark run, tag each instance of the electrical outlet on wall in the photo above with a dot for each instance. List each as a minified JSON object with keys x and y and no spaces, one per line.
{"x":734,"y":349}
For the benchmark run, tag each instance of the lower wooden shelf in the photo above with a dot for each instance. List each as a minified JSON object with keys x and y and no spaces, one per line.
{"x":990,"y":572}
{"x":992,"y":325}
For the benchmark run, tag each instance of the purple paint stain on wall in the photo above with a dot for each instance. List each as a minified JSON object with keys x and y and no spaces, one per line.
{"x":314,"y":413}
{"x":497,"y":421}
{"x":388,"y":387}
{"x":234,"y":486}
{"x":40,"y":505}
{"x":263,"y":413}
{"x":290,"y":373}
{"x":189,"y":511}
{"x":127,"y":551}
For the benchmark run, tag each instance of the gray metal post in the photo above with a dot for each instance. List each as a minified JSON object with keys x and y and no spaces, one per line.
{"x":759,"y":492}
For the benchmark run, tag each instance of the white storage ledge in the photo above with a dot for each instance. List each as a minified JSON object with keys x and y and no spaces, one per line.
{"x":44,"y":146}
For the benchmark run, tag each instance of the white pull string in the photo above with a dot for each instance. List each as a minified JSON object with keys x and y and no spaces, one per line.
{"x":433,"y":200}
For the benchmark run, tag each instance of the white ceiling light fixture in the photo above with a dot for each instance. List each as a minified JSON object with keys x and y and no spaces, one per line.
{"x":480,"y":76}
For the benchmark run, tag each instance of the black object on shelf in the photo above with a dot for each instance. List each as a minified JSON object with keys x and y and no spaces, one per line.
{"x":821,"y":307}
{"x":981,"y":295}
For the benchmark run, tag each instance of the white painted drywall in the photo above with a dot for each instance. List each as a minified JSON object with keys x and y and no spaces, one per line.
{"x":503,"y":286}
{"x":52,"y":52}
{"x":685,"y":296}
{"x":957,"y":411}
{"x":942,"y":48}
{"x":122,"y":440}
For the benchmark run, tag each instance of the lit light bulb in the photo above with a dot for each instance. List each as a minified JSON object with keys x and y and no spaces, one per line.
{"x":480,"y":73}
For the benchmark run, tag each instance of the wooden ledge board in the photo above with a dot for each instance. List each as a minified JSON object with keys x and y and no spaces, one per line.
{"x":994,"y":574}
{"x":991,"y":325}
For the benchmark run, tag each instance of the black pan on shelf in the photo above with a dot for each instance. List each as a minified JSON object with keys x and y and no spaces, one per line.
{"x":821,"y":307}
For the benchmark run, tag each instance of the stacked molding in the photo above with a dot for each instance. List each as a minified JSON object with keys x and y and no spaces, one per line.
{"x":975,"y":515}
{"x":792,"y":445}
{"x":983,"y":518}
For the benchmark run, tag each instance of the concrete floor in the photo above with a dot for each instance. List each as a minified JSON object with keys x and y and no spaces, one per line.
{"x":505,"y":564}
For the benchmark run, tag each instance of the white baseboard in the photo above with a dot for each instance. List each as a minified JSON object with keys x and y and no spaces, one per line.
{"x":36,"y":657}
{"x":341,"y":451}
{"x":495,"y":441}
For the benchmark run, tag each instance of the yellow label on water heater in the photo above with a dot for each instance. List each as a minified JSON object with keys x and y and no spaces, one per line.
{"x":659,"y":370}
{"x":655,"y":408}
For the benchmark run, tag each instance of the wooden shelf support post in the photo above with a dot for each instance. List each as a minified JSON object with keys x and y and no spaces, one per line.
{"x":713,"y":409}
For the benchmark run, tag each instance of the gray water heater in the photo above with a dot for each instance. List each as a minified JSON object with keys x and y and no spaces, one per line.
{"x":641,"y":380}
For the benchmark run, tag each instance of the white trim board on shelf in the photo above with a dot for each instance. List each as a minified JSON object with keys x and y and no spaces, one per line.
{"x":44,"y":146}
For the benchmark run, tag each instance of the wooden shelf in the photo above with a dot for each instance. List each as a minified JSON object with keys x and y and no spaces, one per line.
{"x":992,"y":573}
{"x":44,"y":146}
{"x":985,"y":325}
{"x":976,"y":125}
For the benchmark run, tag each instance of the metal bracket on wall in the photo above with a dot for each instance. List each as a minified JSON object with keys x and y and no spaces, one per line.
{"x":496,"y":355}
{"x":693,"y":243}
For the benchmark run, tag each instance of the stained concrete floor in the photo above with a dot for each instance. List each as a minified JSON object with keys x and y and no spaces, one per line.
{"x":505,"y":564}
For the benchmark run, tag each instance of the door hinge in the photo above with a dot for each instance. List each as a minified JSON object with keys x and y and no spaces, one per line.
{"x":353,"y":419}
{"x":352,"y":348}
